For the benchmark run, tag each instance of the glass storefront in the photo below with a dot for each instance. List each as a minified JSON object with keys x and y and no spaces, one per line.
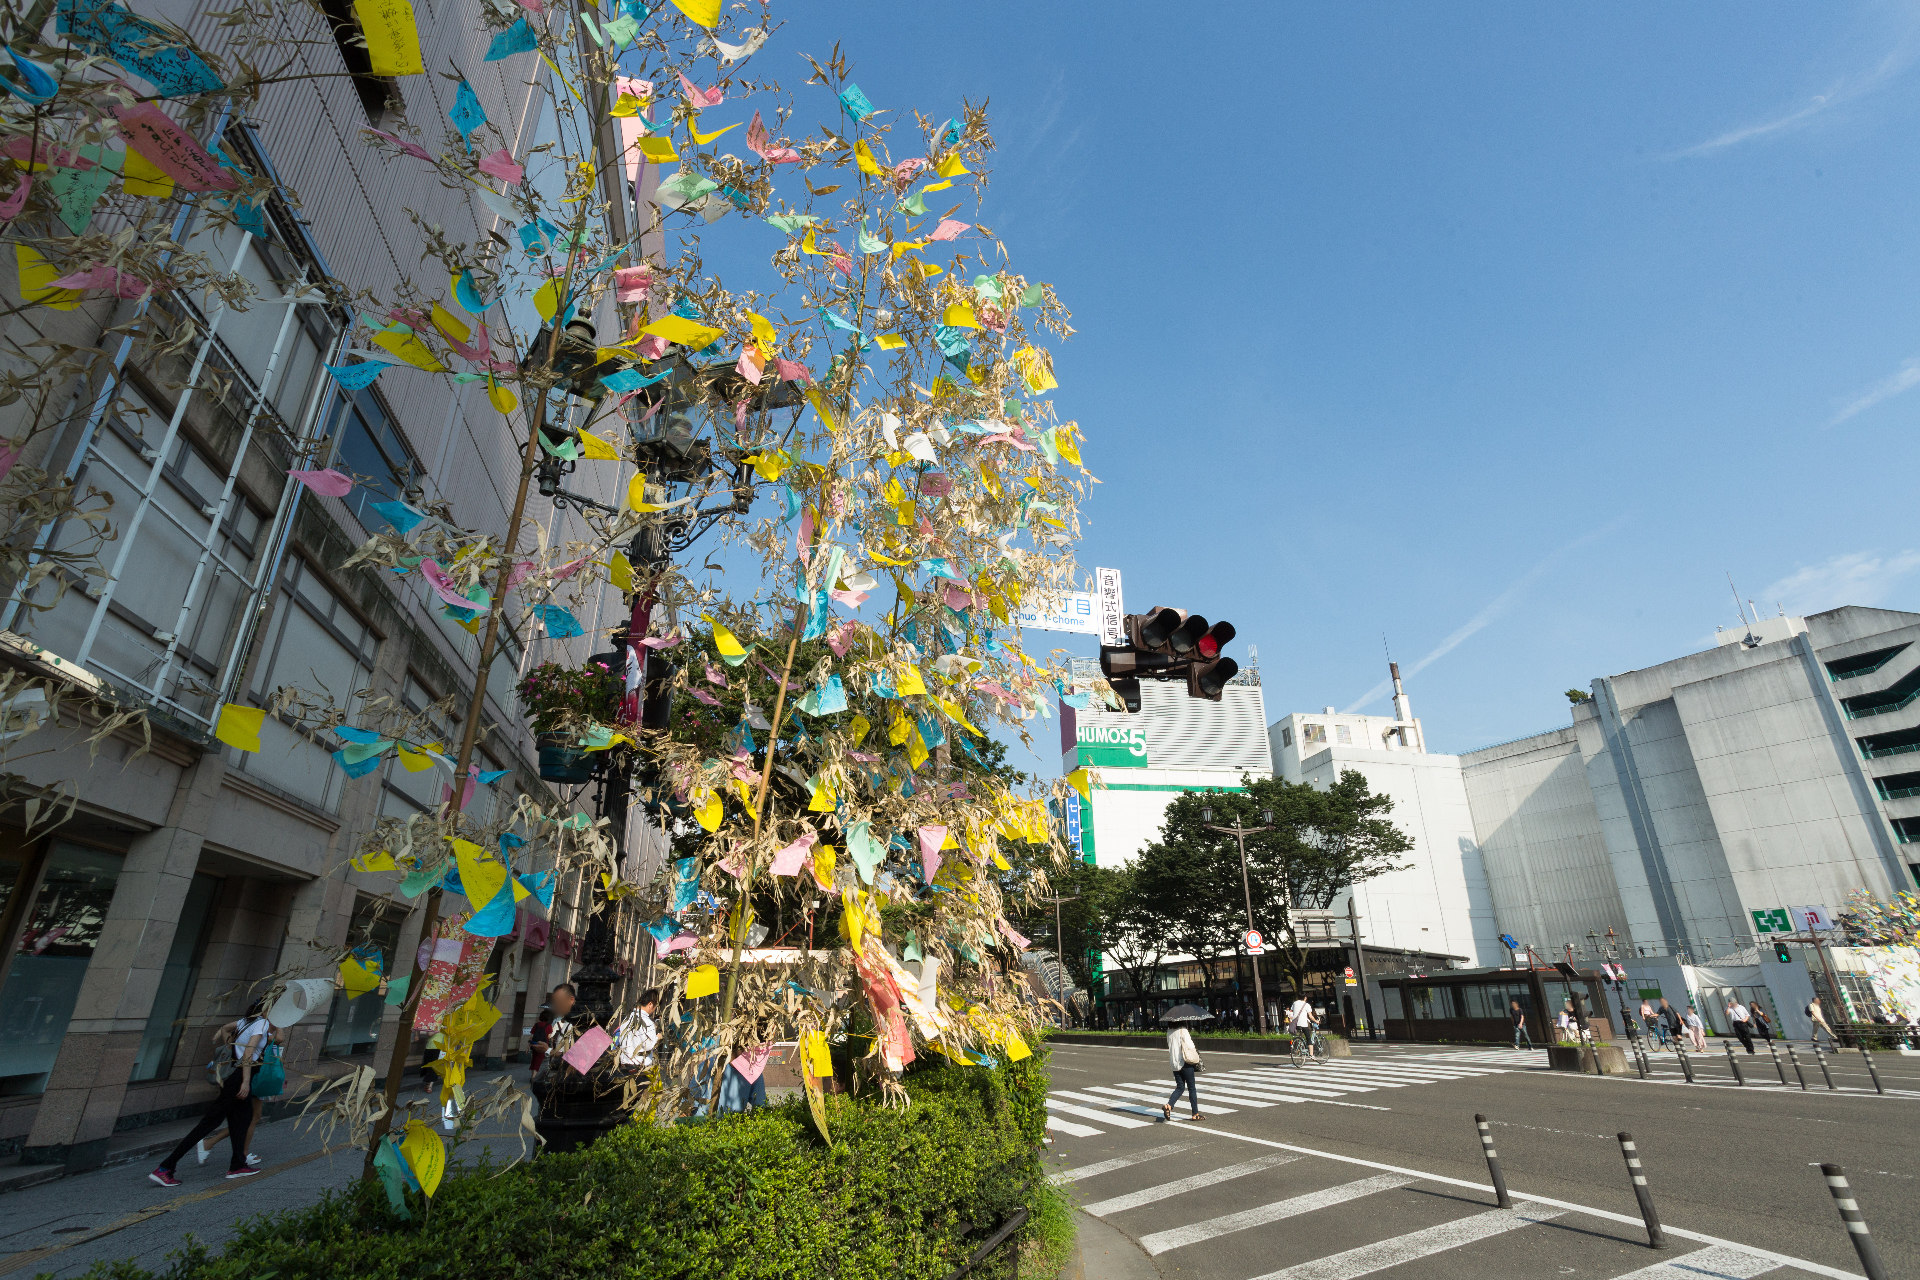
{"x":56,"y":943}
{"x":167,"y":1021}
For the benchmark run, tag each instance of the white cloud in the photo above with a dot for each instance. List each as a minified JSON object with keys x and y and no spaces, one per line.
{"x":1848,"y":88}
{"x":1859,"y":577}
{"x":1493,"y":609}
{"x":1905,"y":380}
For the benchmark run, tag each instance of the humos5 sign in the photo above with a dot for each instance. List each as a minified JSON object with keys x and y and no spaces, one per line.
{"x":1112,"y":746}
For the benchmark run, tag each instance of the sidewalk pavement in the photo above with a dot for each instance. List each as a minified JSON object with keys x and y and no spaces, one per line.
{"x":1101,"y":1252}
{"x":63,"y":1226}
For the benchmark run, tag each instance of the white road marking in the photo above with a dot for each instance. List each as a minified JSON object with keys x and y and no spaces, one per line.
{"x":1070,"y":1128}
{"x":1150,"y":1195}
{"x":1286,"y":1076}
{"x":1143,"y":1096}
{"x":1284,"y":1087}
{"x":1121,"y":1162}
{"x":1161,"y":1241}
{"x":1105,"y":1117}
{"x":1149,"y":1109}
{"x":1413,"y":1246}
{"x":1706,"y":1264}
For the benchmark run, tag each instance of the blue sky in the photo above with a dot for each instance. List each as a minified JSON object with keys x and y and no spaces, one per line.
{"x":1503,"y":330}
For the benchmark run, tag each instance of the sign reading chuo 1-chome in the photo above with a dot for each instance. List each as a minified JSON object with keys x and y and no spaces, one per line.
{"x":1111,"y":746}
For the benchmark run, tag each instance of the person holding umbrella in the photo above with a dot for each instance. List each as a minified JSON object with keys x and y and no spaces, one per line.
{"x":1185,"y":1058}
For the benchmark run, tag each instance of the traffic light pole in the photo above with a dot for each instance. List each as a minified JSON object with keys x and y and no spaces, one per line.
{"x":1359,"y":958}
{"x":1240,"y":834}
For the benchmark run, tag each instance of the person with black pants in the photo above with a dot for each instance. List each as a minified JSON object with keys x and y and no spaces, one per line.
{"x":1738,"y":1016}
{"x":232,"y":1108}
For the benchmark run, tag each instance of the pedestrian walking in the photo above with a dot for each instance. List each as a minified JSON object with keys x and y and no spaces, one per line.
{"x":1761,"y":1026}
{"x":1696,"y":1030}
{"x":638,"y":1035}
{"x":1646,"y":1018}
{"x":1520,"y":1026}
{"x":1186,"y":1070}
{"x":1569,"y":1030}
{"x":232,"y":1108}
{"x":1742,"y":1023}
{"x":1819,"y":1019}
{"x":553,"y":1014}
{"x":275,"y":1047}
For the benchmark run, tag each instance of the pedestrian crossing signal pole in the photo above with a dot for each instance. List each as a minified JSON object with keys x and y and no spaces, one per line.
{"x":1359,"y":958}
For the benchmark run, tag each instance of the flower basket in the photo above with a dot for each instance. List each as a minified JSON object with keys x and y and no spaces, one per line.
{"x":562,"y":761}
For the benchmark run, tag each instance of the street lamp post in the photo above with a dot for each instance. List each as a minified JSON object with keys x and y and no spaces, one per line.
{"x":1059,"y":955}
{"x":1240,"y":834}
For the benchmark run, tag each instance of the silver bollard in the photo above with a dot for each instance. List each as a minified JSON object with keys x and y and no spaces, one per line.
{"x":1686,"y":1064}
{"x":1500,"y":1195}
{"x":1798,"y":1073}
{"x":1656,"y":1238}
{"x":1825,"y":1074}
{"x":1868,"y":1057}
{"x":1856,"y":1224}
{"x":1734,"y":1065}
{"x":1778,"y":1066}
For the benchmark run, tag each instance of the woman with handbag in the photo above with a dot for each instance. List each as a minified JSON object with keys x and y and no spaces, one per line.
{"x":233,"y":1107}
{"x":263,"y":1081}
{"x":1186,"y":1067}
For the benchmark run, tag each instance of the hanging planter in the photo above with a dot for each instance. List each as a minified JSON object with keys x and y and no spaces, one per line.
{"x":562,"y":761}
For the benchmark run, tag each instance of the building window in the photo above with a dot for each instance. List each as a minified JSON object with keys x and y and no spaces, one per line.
{"x":1343,"y":734}
{"x":353,"y":1025}
{"x":1895,"y":696}
{"x":1862,"y":664}
{"x":170,"y":1002}
{"x":1286,"y":736}
{"x":1907,"y":830}
{"x":373,"y":452}
{"x":1313,"y":733}
{"x":1876,"y":746}
{"x":1898,"y":786}
{"x":49,"y":961}
{"x":373,"y":90}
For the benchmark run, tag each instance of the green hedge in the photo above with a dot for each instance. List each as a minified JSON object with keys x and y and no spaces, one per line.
{"x":901,"y":1193}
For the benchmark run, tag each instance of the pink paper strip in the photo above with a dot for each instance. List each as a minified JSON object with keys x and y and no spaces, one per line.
{"x":443,"y":586}
{"x":931,"y":838}
{"x":328,"y":483}
{"x":587,"y":1050}
{"x":167,"y":147}
{"x":788,"y":861}
{"x":413,"y":149}
{"x":500,"y":165}
{"x":11,"y":207}
{"x":949,"y":228}
{"x":679,"y":942}
{"x":751,"y":1063}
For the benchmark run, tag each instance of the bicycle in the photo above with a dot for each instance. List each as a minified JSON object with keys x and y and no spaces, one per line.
{"x":1305,"y":1046}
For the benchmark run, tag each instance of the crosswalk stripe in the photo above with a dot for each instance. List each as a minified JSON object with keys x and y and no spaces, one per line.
{"x":1413,"y":1246}
{"x":1144,"y":1097}
{"x":1717,"y":1263}
{"x":1377,"y":1079}
{"x":1105,"y":1117}
{"x":1424,"y":1075}
{"x":1218,"y":1089}
{"x":1161,"y":1241}
{"x":1122,"y":1162}
{"x":1316,"y":1080}
{"x":1283,"y":1087}
{"x":1134,"y":1199}
{"x":1071,"y":1129}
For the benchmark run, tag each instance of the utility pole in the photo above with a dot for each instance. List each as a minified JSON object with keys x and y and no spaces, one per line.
{"x":1359,"y":958}
{"x":1059,"y":955}
{"x":1240,"y":834}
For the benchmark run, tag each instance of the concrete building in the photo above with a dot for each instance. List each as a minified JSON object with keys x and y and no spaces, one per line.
{"x":1440,"y":904}
{"x":132,"y":931}
{"x":1173,"y":744}
{"x":1691,"y":806}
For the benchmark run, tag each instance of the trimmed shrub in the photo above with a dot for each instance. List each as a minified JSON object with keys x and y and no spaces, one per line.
{"x":901,"y":1193}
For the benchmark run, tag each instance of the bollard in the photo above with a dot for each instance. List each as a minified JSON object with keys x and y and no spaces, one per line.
{"x":1500,"y":1195}
{"x":1656,"y":1239}
{"x":1640,"y":1057}
{"x":1798,"y":1073}
{"x":1686,"y":1064}
{"x":1856,"y":1224}
{"x":1821,"y":1058}
{"x":1733,"y":1064}
{"x":1777,"y":1065}
{"x":1877,"y":1086}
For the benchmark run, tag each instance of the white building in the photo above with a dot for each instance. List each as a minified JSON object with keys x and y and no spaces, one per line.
{"x":1173,"y":744}
{"x":1690,"y":806}
{"x":1440,"y":904}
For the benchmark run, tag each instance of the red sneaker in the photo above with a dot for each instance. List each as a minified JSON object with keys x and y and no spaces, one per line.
{"x":164,"y":1177}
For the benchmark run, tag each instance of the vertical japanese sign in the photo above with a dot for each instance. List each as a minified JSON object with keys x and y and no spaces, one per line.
{"x":1112,"y":609}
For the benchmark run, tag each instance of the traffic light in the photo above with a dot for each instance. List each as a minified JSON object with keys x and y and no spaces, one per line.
{"x":1164,"y":644}
{"x":1781,"y":953}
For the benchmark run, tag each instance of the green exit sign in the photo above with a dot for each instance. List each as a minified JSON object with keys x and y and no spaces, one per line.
{"x":1775,"y":920}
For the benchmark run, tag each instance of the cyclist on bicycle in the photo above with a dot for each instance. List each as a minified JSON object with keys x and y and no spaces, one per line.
{"x":1302,"y":1019}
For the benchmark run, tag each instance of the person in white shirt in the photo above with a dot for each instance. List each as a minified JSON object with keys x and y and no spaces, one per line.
{"x":1696,"y":1030}
{"x":638,"y":1035}
{"x":1742,"y":1023}
{"x":1185,"y":1059}
{"x":1302,"y":1019}
{"x":232,"y":1108}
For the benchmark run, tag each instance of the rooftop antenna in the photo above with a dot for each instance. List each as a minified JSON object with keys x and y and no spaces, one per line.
{"x":1741,"y":607}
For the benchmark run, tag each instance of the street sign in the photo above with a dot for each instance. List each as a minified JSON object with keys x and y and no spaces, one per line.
{"x":1353,"y":982}
{"x":1771,"y":920}
{"x":1255,"y":943}
{"x":1349,"y":972}
{"x":1112,"y":607}
{"x":1073,"y":822}
{"x":1811,"y":918}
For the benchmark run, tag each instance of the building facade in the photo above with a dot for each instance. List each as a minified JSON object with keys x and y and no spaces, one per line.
{"x":189,"y":871}
{"x":1440,"y":903}
{"x":1692,"y":806}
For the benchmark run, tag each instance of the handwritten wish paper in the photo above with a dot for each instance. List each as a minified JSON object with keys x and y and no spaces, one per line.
{"x":586,"y":1051}
{"x":393,"y":41}
{"x":166,"y":146}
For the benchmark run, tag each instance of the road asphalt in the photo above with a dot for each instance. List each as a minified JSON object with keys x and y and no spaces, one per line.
{"x":1374,"y":1163}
